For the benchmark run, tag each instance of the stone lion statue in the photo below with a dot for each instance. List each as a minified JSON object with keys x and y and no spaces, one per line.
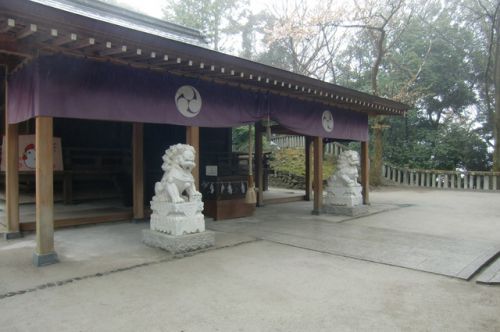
{"x":177,"y":184}
{"x":347,"y":169}
{"x":343,"y":188}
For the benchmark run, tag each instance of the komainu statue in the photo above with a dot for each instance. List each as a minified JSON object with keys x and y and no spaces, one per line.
{"x":177,"y":206}
{"x":343,"y":188}
{"x":177,"y":184}
{"x":177,"y":222}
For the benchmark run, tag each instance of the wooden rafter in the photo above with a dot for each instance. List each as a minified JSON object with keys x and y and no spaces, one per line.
{"x":7,"y":25}
{"x":83,"y":43}
{"x":27,"y":31}
{"x":63,"y":40}
{"x":110,"y":50}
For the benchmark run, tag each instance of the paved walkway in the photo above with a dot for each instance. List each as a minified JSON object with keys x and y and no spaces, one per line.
{"x":385,"y":240}
{"x":268,"y":274}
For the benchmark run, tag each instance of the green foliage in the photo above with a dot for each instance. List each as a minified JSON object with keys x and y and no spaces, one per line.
{"x":240,"y":140}
{"x":439,"y":133}
{"x":417,"y":144}
{"x":434,"y":66}
{"x":293,"y":161}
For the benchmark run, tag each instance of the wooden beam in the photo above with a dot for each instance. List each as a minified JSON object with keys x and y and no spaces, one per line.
{"x":44,"y":252}
{"x":259,"y":163}
{"x":86,"y":42}
{"x":54,"y":33}
{"x":365,"y":172}
{"x":193,"y":139}
{"x":27,"y":31}
{"x":11,"y":171}
{"x":308,"y":142}
{"x":138,"y":53}
{"x":7,"y":25}
{"x":318,"y":175}
{"x":113,"y":50}
{"x":62,"y":40}
{"x":138,"y":170}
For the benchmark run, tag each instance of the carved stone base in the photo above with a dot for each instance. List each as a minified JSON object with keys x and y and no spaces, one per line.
{"x":177,"y":218}
{"x":178,"y":244}
{"x":178,"y":225}
{"x":344,"y":196}
{"x":345,"y":210}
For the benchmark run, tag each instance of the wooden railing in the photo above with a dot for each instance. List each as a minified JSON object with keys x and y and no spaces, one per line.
{"x":471,"y":180}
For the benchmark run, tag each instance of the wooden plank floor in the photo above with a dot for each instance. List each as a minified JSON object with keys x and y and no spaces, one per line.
{"x":279,"y":196}
{"x":108,"y":210}
{"x":92,"y":212}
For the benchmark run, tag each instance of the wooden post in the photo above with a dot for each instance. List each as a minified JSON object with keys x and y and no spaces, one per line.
{"x":365,"y":172}
{"x":193,"y":139}
{"x":308,"y":142}
{"x":259,"y":164}
{"x":138,"y":170}
{"x":44,"y":253}
{"x":318,"y":175}
{"x":11,"y":172}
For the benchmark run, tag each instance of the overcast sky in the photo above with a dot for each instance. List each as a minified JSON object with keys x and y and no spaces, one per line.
{"x":154,"y":7}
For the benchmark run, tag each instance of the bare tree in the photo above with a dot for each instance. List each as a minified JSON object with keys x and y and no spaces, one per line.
{"x":297,"y":32}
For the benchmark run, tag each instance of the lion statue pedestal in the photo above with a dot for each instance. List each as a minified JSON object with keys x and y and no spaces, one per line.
{"x":343,"y":190}
{"x":177,"y":221}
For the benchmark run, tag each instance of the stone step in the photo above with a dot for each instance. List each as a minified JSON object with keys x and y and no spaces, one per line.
{"x":491,"y":275}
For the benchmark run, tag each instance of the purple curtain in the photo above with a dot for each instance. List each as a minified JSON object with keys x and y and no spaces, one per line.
{"x":315,"y":119}
{"x":66,"y":87}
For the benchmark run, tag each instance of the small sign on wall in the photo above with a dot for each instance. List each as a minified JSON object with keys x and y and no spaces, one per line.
{"x":211,"y":170}
{"x":27,"y":160}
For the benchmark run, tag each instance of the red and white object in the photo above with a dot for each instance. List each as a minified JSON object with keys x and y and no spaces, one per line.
{"x":27,"y":153}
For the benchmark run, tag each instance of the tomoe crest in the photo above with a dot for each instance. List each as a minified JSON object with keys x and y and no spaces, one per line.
{"x":327,"y":121}
{"x":188,"y":101}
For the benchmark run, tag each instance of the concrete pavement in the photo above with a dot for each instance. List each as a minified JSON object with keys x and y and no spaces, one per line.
{"x":258,"y":286}
{"x":292,"y":224}
{"x":108,"y":281}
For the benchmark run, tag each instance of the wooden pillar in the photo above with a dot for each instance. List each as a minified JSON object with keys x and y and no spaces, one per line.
{"x":365,"y":172}
{"x":318,"y":175}
{"x":138,"y":170}
{"x":11,"y":172}
{"x":308,"y":142}
{"x":44,"y":252}
{"x":193,"y":139}
{"x":259,"y":164}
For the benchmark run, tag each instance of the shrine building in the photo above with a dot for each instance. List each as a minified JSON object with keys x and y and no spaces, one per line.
{"x":93,"y":94}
